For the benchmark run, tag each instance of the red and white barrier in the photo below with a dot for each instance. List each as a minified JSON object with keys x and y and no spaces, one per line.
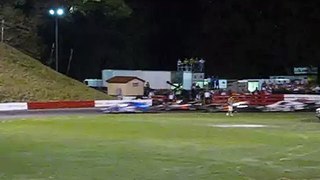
{"x":24,"y":106}
{"x":252,"y":99}
{"x":14,"y":106}
{"x":256,"y":100}
{"x":309,"y":97}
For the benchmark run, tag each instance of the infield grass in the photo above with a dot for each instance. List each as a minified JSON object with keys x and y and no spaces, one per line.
{"x":161,"y":146}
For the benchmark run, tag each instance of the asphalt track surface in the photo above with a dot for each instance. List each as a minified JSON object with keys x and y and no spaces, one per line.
{"x":65,"y":112}
{"x":46,"y":113}
{"x":5,"y":115}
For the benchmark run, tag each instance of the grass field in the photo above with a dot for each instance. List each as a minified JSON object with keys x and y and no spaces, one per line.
{"x":161,"y":146}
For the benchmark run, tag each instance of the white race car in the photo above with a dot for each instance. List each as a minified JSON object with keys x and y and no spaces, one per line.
{"x":285,"y":106}
{"x":126,"y":107}
{"x":318,"y":113}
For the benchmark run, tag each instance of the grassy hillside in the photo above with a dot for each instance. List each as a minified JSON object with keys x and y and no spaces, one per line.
{"x":23,"y":78}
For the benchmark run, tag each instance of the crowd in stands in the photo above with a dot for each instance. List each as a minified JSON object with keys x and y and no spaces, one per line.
{"x":295,"y":87}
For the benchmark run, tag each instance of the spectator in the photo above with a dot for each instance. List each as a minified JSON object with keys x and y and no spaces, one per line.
{"x":151,"y":94}
{"x":171,"y":97}
{"x":217,"y":83}
{"x":230,"y":106}
{"x":201,"y":65}
{"x":207,"y":97}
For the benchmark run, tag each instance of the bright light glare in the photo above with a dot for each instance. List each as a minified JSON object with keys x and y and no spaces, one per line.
{"x":60,"y":12}
{"x":51,"y":12}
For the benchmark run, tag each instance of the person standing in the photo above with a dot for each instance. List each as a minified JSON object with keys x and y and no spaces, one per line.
{"x":179,"y":64}
{"x":207,"y":97}
{"x":201,"y":65}
{"x":230,"y":106}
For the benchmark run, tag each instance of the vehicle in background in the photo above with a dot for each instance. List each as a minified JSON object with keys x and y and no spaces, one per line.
{"x":285,"y":106}
{"x":181,"y":105}
{"x":241,"y":104}
{"x":213,"y":107}
{"x":127,"y":107}
{"x":218,"y":107}
{"x":244,"y":106}
{"x":318,"y":113}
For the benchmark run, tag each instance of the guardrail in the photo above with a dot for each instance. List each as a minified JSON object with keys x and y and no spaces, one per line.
{"x":255,"y":100}
{"x":24,"y":106}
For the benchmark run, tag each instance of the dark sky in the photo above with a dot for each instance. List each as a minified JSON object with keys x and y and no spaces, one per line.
{"x":238,"y":38}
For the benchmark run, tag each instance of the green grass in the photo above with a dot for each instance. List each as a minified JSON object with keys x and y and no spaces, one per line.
{"x":161,"y":146}
{"x":23,"y":78}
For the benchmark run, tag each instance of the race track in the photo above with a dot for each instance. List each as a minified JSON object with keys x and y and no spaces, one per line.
{"x":45,"y":113}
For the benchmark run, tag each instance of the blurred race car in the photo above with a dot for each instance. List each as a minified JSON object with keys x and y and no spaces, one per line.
{"x":318,"y":113}
{"x":218,"y":107}
{"x":176,"y":106}
{"x":127,"y":107}
{"x":182,"y":107}
{"x":241,"y":104}
{"x":285,"y":106}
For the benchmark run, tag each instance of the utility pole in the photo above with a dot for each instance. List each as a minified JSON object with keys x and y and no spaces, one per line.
{"x":57,"y":13}
{"x":70,"y":59}
{"x":2,"y":30}
{"x":57,"y":44}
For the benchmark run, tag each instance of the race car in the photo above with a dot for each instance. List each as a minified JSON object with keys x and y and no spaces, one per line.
{"x":181,"y":105}
{"x":318,"y":113}
{"x":241,"y":105}
{"x":127,"y":107}
{"x":219,"y":107}
{"x":285,"y":106}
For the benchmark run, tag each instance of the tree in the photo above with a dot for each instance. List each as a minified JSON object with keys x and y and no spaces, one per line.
{"x":30,"y":28}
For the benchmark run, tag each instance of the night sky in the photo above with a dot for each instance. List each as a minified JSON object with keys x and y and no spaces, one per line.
{"x":237,"y":38}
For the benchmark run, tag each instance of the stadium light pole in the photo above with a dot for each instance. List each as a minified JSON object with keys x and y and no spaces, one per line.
{"x":2,"y":30}
{"x":56,"y":13}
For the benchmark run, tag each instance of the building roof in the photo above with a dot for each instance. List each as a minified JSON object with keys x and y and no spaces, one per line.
{"x":123,"y":79}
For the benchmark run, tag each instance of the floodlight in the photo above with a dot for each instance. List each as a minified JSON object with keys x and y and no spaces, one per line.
{"x":51,"y":12}
{"x":60,"y":12}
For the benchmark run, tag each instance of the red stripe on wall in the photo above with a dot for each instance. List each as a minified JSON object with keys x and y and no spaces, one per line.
{"x":60,"y":104}
{"x":258,"y":100}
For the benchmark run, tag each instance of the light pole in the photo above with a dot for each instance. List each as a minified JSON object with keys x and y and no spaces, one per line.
{"x":2,"y":30}
{"x":58,"y":12}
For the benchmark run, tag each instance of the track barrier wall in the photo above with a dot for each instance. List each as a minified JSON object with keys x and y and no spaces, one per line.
{"x":19,"y":106}
{"x":255,"y":100}
{"x":60,"y":104}
{"x":292,"y":97}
